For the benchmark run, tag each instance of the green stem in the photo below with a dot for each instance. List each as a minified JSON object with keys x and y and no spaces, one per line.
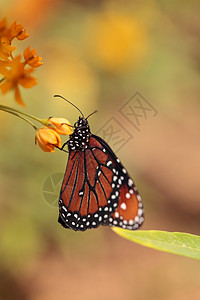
{"x":15,"y":114}
{"x":7,"y":108}
{"x":2,"y":79}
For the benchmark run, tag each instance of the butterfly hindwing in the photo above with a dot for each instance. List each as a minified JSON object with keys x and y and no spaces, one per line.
{"x":129,"y":213}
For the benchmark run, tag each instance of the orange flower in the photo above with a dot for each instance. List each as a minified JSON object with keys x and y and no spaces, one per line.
{"x":32,"y":58}
{"x":5,"y":48}
{"x":16,"y":74}
{"x":2,"y":25}
{"x":61,"y":125}
{"x":4,"y":63}
{"x":7,"y":35}
{"x":117,"y":41}
{"x":16,"y":31}
{"x":47,"y":139}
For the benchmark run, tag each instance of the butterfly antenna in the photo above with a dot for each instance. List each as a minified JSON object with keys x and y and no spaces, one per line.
{"x":70,"y":103}
{"x":94,"y":112}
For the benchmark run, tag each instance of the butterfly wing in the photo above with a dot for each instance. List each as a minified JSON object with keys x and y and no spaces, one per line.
{"x":129,"y":213}
{"x":90,"y":189}
{"x":97,"y":190}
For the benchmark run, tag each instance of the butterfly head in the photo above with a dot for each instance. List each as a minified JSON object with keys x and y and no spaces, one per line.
{"x":82,"y":122}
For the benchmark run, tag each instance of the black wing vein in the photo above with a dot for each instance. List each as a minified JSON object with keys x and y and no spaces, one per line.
{"x":73,"y":190}
{"x":69,"y":175}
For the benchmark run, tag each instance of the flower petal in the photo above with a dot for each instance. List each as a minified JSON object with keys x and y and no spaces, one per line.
{"x":6,"y":86}
{"x":18,"y":97}
{"x":22,"y":35}
{"x":47,"y":139}
{"x":28,"y":82}
{"x":61,"y":125}
{"x":32,"y":58}
{"x":3,"y":24}
{"x":4,"y":64}
{"x":16,"y":31}
{"x":46,"y":148}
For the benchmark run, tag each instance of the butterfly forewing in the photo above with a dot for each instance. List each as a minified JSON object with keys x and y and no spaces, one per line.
{"x":90,"y":189}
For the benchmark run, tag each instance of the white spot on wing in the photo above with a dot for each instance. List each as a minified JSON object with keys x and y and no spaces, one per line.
{"x":116,"y":214}
{"x":140,"y":212}
{"x":114,"y":178}
{"x":63,"y":207}
{"x":109,"y":163}
{"x":136,"y":219}
{"x":130,"y":182}
{"x":131,"y":222}
{"x":123,"y":206}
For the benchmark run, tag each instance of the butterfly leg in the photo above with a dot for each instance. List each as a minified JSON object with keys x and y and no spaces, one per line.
{"x":64,"y":145}
{"x":62,"y":148}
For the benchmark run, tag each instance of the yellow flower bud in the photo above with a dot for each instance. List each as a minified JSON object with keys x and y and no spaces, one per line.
{"x":61,"y":125}
{"x":47,"y":139}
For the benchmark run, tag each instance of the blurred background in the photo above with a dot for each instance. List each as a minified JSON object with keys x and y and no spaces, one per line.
{"x":99,"y":54}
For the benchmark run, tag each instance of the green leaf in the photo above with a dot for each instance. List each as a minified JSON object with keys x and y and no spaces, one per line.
{"x":180,"y":243}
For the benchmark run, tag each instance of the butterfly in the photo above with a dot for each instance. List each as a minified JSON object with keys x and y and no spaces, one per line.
{"x":96,"y":189}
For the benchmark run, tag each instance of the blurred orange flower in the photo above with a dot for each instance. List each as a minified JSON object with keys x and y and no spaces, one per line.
{"x":7,"y":34}
{"x":16,"y":31}
{"x":2,"y":25}
{"x":5,"y":49}
{"x":61,"y":125}
{"x":15,"y":74}
{"x":47,"y":139}
{"x":13,"y":69}
{"x":116,"y":41}
{"x":31,"y":58}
